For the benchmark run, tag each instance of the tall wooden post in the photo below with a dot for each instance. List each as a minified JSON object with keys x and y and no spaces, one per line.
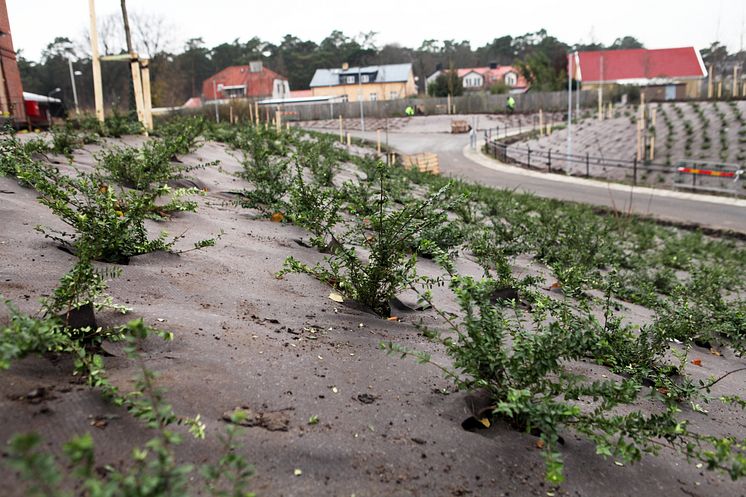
{"x":734,"y":89}
{"x":720,"y":89}
{"x":341,"y":130}
{"x":98,"y":92}
{"x":710,"y":87}
{"x":147,"y":100}
{"x":251,"y":113}
{"x":137,"y":84}
{"x":378,"y":141}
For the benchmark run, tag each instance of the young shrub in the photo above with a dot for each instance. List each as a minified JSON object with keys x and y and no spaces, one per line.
{"x":181,"y":134}
{"x":389,"y":266}
{"x":522,"y":364}
{"x":107,"y":226}
{"x":315,"y":209}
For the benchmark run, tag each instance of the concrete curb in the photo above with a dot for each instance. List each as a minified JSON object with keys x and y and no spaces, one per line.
{"x":481,"y":159}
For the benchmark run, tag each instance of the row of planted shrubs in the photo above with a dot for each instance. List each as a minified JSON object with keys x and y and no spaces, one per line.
{"x":513,"y":338}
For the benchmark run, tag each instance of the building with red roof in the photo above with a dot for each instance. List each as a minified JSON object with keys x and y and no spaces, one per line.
{"x":484,"y":78}
{"x":248,"y":82}
{"x":664,"y":74}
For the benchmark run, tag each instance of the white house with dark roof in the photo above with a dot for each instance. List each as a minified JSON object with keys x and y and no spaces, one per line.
{"x":369,"y":83}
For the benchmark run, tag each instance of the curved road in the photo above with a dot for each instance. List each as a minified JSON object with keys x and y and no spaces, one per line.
{"x":457,"y":160}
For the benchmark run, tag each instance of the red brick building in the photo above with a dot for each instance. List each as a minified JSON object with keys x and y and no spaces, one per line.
{"x":11,"y":91}
{"x":253,"y":81}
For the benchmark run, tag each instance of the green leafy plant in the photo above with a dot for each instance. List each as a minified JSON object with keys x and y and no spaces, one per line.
{"x":388,"y":266}
{"x":524,"y":369}
{"x":154,"y":471}
{"x":108,"y":226}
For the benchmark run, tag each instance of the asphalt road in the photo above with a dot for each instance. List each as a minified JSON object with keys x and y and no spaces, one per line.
{"x":718,"y":213}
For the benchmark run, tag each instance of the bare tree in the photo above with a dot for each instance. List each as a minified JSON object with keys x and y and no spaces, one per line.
{"x":150,"y":33}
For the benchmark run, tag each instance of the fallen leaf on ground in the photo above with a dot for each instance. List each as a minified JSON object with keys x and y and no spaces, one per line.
{"x":540,"y":444}
{"x":485,"y":422}
{"x":697,"y":362}
{"x":297,"y":472}
{"x":336,"y":297}
{"x":277,"y":217}
{"x":392,"y":318}
{"x":715,"y":351}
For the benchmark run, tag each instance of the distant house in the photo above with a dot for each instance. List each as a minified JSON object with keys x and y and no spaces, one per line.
{"x":483,"y":78}
{"x":250,"y":82}
{"x":370,"y":83}
{"x":663,"y":74}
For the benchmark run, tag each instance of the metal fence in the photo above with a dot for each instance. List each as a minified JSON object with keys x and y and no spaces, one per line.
{"x":470,"y":103}
{"x":691,"y":175}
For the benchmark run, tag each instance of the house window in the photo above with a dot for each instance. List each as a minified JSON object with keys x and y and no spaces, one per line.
{"x":364,"y":78}
{"x":373,"y":97}
{"x":350,"y":80}
{"x":393,"y":95}
{"x":511,"y":79}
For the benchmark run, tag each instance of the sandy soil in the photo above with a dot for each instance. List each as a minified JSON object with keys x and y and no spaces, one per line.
{"x":388,"y":427}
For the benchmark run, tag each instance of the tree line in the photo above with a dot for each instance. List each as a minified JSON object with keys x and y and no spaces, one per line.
{"x":177,"y":75}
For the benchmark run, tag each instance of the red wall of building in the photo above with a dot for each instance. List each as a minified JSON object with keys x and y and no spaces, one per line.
{"x":10,"y":73}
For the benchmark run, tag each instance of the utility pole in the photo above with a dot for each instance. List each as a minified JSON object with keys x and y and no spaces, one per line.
{"x":98,"y":91}
{"x":601,"y":93}
{"x":569,"y":105}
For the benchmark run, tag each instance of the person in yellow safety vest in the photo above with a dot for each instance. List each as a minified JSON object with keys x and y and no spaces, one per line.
{"x":409,"y":111}
{"x":510,"y":104}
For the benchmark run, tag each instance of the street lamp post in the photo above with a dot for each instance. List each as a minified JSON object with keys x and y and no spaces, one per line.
{"x":72,"y":81}
{"x":49,"y":101}
{"x":360,"y":85}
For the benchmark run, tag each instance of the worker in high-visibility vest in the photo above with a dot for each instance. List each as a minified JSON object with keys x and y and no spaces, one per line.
{"x":510,"y":104}
{"x":409,"y":111}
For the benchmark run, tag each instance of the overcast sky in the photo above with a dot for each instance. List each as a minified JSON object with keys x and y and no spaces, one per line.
{"x":657,"y":23}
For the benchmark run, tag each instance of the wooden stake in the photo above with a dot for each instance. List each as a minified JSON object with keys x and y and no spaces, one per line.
{"x":652,"y":147}
{"x":541,"y":122}
{"x":349,"y":139}
{"x":734,"y":89}
{"x":652,"y":117}
{"x":256,"y":112}
{"x":341,"y":130}
{"x":137,"y":84}
{"x":98,"y":91}
{"x":230,"y":113}
{"x":251,"y":113}
{"x":147,"y":100}
{"x":720,"y":89}
{"x":378,"y":141}
{"x":710,"y":87}
{"x":600,"y":103}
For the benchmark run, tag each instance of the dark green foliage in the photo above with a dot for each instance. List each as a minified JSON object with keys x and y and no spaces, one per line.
{"x":107,"y":226}
{"x":386,"y":266}
{"x":447,"y":83}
